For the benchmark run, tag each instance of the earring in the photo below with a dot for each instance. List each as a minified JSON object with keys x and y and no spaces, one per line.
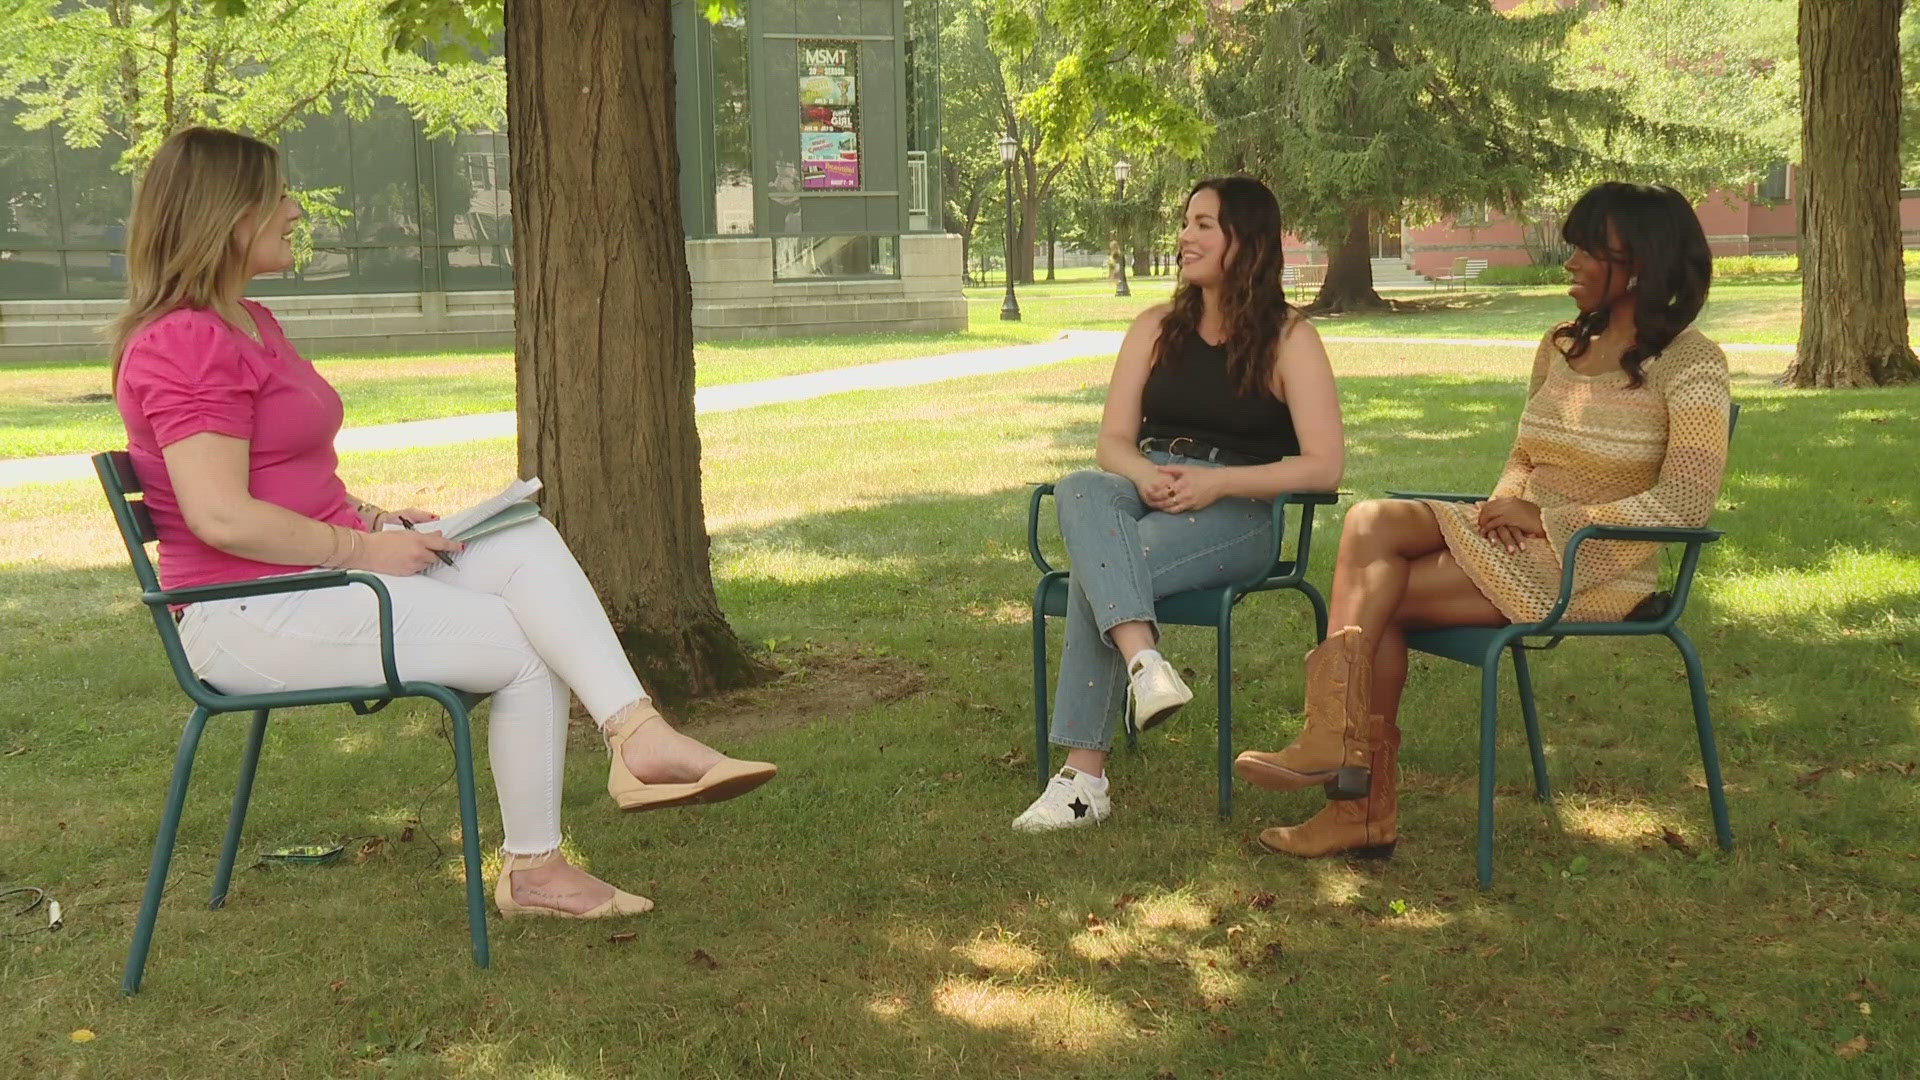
{"x":1633,"y":281}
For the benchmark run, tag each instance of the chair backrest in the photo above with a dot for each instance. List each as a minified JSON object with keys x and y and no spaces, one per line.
{"x":1459,"y":267}
{"x":122,"y":487}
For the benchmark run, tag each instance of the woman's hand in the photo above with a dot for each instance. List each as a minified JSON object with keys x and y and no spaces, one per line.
{"x":399,"y":552}
{"x":1154,"y":486}
{"x":1191,"y":488}
{"x":1508,"y":521}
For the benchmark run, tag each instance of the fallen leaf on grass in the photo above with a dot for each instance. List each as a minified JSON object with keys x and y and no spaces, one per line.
{"x":1011,"y":759}
{"x":1745,"y":1041}
{"x":1261,"y":901}
{"x":406,"y":835}
{"x":337,"y":985}
{"x":81,"y":1035}
{"x":1095,"y":925}
{"x":16,"y":751}
{"x":1489,"y":952}
{"x":375,"y":845}
{"x":1675,"y":841}
{"x":1852,"y":1048}
{"x":701,"y":957}
{"x":1808,"y":779}
{"x":1869,"y":986}
{"x":622,"y":937}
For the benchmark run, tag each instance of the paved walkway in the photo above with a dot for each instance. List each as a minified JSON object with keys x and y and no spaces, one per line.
{"x":1072,"y":345}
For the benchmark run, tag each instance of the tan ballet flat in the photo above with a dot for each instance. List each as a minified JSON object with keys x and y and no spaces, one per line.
{"x":620,"y":903}
{"x":727,"y":779}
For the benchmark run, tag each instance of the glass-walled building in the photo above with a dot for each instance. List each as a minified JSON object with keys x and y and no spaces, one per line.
{"x":809,"y":145}
{"x":809,"y":151}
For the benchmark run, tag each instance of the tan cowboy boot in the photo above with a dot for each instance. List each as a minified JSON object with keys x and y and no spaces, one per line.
{"x":1331,"y":750}
{"x":1360,"y":828}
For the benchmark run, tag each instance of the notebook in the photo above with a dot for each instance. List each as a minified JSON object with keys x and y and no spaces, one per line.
{"x":502,"y":511}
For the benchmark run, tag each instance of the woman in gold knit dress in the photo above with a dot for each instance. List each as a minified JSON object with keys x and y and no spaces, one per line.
{"x":1625,"y":424}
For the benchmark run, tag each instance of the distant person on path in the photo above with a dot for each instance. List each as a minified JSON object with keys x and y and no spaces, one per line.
{"x":231,"y":432}
{"x":1219,"y":401}
{"x":1625,"y":424}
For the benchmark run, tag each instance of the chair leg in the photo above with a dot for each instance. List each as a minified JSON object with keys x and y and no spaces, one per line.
{"x":1223,"y":674}
{"x":162,"y":851}
{"x":1319,"y":609}
{"x":242,"y":792}
{"x":1489,"y":706}
{"x":1524,"y":679}
{"x":1041,"y":755}
{"x":1703,"y":724}
{"x":469,"y":827}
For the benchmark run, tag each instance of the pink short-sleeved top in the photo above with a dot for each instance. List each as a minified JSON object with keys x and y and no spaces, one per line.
{"x":188,"y":372}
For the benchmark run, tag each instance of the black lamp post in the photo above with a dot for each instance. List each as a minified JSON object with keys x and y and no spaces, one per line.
{"x":1121,"y":170}
{"x":1009,"y":307}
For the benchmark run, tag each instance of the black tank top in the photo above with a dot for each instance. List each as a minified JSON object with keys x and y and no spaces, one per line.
{"x":1191,"y":395}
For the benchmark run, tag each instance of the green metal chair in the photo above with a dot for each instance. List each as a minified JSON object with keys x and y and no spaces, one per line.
{"x":1482,"y":647}
{"x":1199,"y":607}
{"x":117,"y":478}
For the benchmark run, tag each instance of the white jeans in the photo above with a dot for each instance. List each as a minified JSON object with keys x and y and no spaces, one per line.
{"x":514,"y":616}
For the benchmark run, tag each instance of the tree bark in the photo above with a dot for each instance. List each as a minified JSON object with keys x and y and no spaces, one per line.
{"x":1349,"y":282}
{"x":1853,"y":316}
{"x":603,"y":329}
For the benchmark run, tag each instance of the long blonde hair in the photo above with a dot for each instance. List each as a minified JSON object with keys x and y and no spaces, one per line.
{"x":181,"y":247}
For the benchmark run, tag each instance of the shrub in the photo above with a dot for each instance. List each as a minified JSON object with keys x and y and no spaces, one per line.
{"x":1737,"y":266}
{"x":1522,"y":275}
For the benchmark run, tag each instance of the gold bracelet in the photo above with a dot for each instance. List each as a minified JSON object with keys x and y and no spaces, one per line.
{"x":331,"y":559}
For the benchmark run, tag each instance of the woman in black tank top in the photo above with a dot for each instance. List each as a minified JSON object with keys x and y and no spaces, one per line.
{"x":1220,"y":400}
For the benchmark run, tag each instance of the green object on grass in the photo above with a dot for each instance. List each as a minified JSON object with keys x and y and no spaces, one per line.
{"x":304,"y":855}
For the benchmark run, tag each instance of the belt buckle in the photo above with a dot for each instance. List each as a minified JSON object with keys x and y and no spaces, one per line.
{"x":1173,"y":446}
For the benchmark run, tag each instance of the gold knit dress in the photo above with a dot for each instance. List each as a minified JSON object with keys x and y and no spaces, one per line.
{"x":1591,"y":451}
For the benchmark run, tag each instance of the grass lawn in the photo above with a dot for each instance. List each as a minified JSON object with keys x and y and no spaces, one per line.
{"x":869,"y":914}
{"x":61,"y":408}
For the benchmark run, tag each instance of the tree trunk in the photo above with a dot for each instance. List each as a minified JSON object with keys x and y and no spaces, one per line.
{"x":1053,"y":241}
{"x":1853,"y":314}
{"x":1349,"y":282}
{"x":1140,"y":264}
{"x":603,"y":331}
{"x":1029,"y":237}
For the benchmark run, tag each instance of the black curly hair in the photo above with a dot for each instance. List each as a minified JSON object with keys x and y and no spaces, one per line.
{"x":1662,"y":243}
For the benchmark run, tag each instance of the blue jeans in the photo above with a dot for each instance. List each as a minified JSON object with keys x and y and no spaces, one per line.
{"x":1123,"y":557}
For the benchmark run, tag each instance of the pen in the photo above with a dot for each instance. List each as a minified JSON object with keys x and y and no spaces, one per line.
{"x":408,"y":525}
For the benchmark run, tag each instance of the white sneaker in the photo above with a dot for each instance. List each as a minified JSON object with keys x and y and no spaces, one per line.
{"x":1068,"y":802}
{"x":1157,"y":692}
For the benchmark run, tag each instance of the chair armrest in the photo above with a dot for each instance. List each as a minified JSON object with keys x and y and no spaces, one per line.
{"x":292,"y":583}
{"x":1438,"y":496}
{"x":1656,"y":535}
{"x":1040,"y":491}
{"x":266,"y":586}
{"x":1306,"y":500}
{"x":1683,"y":584}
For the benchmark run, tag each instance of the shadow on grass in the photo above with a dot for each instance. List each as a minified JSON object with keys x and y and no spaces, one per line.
{"x":871,"y":913}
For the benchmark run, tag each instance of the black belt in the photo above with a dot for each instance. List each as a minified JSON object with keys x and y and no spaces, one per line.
{"x":1199,"y":451}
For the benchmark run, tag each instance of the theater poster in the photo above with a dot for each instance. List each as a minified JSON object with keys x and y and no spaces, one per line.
{"x":829,"y":116}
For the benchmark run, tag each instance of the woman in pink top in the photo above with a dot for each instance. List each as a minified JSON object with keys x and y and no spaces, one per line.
{"x":231,"y":432}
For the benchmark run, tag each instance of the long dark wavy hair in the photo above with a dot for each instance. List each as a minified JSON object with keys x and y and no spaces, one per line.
{"x":1659,"y":233}
{"x":1253,"y":305}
